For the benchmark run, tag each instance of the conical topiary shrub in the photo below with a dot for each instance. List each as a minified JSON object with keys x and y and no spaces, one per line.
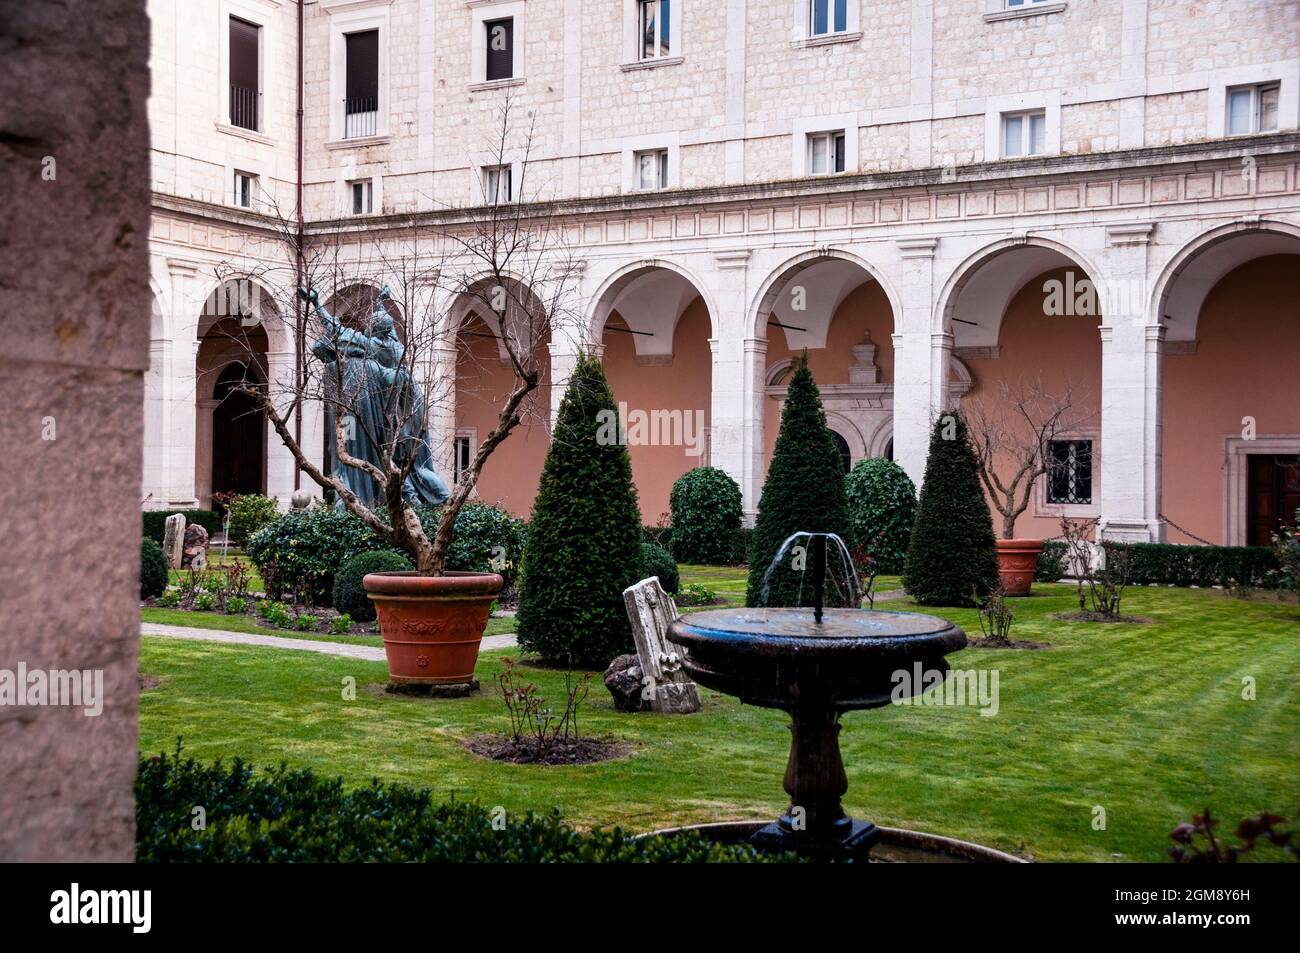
{"x":584,"y":540}
{"x":804,"y":491}
{"x":952,"y":553}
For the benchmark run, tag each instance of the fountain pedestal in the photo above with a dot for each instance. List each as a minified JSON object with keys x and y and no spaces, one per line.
{"x":815,"y":665}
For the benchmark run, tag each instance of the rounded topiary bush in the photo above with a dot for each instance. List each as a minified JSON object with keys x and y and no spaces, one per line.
{"x":350,"y":595}
{"x":153,"y":570}
{"x":882,"y":506}
{"x":706,"y":513}
{"x":659,"y":562}
{"x":486,"y":539}
{"x":302,"y":550}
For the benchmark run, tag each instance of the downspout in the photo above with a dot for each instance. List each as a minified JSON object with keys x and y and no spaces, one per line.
{"x":298,"y":358}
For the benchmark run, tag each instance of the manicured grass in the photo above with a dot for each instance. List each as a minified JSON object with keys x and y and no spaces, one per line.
{"x":729,"y":582}
{"x":1145,"y":721}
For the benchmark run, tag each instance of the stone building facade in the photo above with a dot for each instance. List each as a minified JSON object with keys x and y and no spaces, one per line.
{"x":898,"y":189}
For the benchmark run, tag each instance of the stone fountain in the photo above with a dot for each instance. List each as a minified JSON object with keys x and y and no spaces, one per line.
{"x":815,"y":663}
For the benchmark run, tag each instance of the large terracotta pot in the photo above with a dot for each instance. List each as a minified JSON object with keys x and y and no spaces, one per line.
{"x":432,"y":625}
{"x":1017,"y":560}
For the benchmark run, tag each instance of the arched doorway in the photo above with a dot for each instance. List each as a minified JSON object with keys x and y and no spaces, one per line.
{"x":238,"y":427}
{"x":1230,"y":420}
{"x":654,"y":326}
{"x":1024,"y":320}
{"x":834,"y":309}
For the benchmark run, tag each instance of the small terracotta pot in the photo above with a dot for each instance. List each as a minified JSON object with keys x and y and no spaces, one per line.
{"x":432,"y":625}
{"x":1017,"y":561}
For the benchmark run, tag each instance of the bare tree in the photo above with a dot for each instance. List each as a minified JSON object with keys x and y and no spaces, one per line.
{"x":374,"y":373}
{"x":1011,"y":432}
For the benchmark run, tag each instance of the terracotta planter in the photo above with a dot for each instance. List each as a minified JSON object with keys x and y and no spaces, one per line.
{"x":1017,"y":560}
{"x":432,"y":625}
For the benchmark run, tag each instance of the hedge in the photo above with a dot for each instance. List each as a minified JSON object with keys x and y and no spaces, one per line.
{"x":155,"y":522}
{"x":1051,"y":562}
{"x":350,"y":595}
{"x":738,"y":553}
{"x":294,"y":816}
{"x":706,"y":512}
{"x":1171,"y":564}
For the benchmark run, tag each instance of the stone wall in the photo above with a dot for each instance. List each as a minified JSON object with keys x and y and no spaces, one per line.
{"x":75,"y":297}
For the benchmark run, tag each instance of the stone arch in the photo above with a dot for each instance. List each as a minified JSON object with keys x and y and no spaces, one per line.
{"x":975,"y":271}
{"x":607,"y":295}
{"x":769,"y":291}
{"x":1177,"y":296}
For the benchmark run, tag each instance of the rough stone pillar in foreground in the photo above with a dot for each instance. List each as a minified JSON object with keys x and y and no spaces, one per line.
{"x":74,"y":292}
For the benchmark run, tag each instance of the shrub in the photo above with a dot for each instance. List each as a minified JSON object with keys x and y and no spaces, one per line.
{"x":804,"y":491}
{"x":1286,"y":551}
{"x":250,"y":513}
{"x":1051,"y":562}
{"x":305,"y":622}
{"x":169,"y":599}
{"x":882,"y":508}
{"x":205,"y":601}
{"x":236,"y":605}
{"x":706,"y":513}
{"x":303,"y":549}
{"x":1176,"y":565}
{"x":276,"y":614}
{"x":696,"y":595}
{"x":341,"y":624}
{"x":659,"y":562}
{"x":295,"y":816}
{"x":952,"y":552}
{"x":153,"y":569}
{"x":155,"y":522}
{"x":349,"y":595}
{"x":584,"y":539}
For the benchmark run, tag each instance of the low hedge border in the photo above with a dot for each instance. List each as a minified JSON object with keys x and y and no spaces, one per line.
{"x":1170,"y":564}
{"x":284,"y":815}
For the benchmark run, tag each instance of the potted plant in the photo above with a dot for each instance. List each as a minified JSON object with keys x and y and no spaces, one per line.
{"x":1012,"y":434}
{"x":366,"y":364}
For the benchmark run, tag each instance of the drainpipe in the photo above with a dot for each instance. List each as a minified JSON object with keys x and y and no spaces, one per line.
{"x":298,"y":359}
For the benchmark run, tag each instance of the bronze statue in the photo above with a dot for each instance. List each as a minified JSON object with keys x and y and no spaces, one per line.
{"x":367,"y":380}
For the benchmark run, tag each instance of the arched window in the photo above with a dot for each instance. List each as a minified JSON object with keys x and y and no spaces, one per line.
{"x":846,"y":456}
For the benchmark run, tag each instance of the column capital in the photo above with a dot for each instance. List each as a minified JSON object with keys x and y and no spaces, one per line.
{"x":917,"y":247}
{"x":731,"y":260}
{"x":1129,"y":233}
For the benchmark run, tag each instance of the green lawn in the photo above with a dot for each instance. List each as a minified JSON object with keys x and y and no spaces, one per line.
{"x":246,"y":623}
{"x":1145,"y":721}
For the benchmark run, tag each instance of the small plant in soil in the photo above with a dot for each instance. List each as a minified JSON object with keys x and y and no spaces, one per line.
{"x":1100,"y":587}
{"x":866,"y":559}
{"x":696,"y":595}
{"x":538,"y":730}
{"x":995,"y":617}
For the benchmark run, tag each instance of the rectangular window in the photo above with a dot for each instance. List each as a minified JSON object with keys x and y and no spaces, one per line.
{"x":461,"y":463}
{"x":362,"y":193}
{"x":825,"y":153}
{"x":245,"y":185}
{"x":654,"y":27}
{"x":826,"y":17}
{"x":1069,"y":472}
{"x":1024,"y":134}
{"x":1252,"y":109}
{"x":652,"y":170}
{"x":500,"y":49}
{"x":245,"y":78}
{"x":361,"y":97}
{"x":496,"y":184}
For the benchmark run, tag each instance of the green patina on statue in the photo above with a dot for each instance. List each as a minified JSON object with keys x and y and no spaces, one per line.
{"x":367,"y":379}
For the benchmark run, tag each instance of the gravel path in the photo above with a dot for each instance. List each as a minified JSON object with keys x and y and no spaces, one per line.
{"x":370,"y":653}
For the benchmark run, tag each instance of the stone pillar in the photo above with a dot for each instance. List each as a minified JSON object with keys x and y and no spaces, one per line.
{"x":203,"y":450}
{"x":75,"y":295}
{"x":153,"y":485}
{"x":280,"y":465}
{"x":180,"y":388}
{"x":1130,"y":392}
{"x":920,"y":359}
{"x":736,"y":413}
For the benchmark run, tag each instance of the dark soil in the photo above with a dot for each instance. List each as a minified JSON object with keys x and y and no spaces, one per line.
{"x":582,"y":751}
{"x":1090,"y":616}
{"x":148,"y":682}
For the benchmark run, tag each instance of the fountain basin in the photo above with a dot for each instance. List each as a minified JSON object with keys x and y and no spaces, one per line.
{"x":816,"y":664}
{"x":782,"y":658}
